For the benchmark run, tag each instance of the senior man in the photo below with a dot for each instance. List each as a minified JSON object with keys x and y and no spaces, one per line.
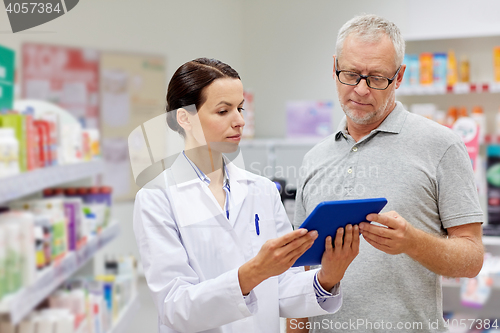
{"x":431,"y":225}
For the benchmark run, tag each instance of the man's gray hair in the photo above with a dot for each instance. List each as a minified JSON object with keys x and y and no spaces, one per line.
{"x":370,"y":28}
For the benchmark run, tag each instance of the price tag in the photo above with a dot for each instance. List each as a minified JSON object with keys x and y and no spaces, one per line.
{"x":461,"y":88}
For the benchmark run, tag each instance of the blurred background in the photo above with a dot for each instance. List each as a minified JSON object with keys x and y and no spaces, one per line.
{"x":73,"y":89}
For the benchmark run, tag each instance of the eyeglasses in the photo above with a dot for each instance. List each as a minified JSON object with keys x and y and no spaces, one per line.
{"x":373,"y":81}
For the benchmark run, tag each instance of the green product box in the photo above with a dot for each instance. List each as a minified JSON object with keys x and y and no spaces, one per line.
{"x":18,"y":123}
{"x":7,"y":67}
{"x":6,"y":96}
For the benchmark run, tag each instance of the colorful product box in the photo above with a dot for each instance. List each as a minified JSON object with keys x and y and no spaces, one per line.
{"x":426,"y":69}
{"x":440,"y":69}
{"x":7,"y":67}
{"x":73,"y":213}
{"x":496,"y":63}
{"x":44,"y":153}
{"x":18,"y":123}
{"x":493,"y":182}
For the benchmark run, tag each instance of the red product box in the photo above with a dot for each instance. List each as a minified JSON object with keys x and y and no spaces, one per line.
{"x":42,"y":128}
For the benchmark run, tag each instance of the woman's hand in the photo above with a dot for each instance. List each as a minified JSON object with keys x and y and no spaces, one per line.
{"x":336,"y":259}
{"x":275,"y":257}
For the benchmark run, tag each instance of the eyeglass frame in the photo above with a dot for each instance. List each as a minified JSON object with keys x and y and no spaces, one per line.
{"x":364,"y":77}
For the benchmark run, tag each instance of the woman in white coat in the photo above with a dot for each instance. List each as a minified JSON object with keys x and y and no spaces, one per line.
{"x":214,"y":239}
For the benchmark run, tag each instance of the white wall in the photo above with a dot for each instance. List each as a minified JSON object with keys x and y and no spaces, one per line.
{"x":179,"y":30}
{"x":288,"y":48}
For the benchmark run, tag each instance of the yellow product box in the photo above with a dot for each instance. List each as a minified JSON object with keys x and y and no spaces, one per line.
{"x":496,"y":63}
{"x":426,"y":68}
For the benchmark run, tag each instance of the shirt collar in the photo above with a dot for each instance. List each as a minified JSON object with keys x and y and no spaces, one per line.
{"x":393,"y":123}
{"x":203,"y":177}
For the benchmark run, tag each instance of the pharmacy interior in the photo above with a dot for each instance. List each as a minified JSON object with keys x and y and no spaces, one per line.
{"x":72,"y":90}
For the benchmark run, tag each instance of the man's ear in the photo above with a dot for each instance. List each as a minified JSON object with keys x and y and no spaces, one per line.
{"x":183,"y":119}
{"x":401,"y":73}
{"x":334,"y":65}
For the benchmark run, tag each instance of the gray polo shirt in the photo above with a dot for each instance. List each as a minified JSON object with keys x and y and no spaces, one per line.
{"x":424,"y":171}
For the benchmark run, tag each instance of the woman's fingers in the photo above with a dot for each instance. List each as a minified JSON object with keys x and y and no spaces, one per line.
{"x":290,"y":237}
{"x":298,"y":251}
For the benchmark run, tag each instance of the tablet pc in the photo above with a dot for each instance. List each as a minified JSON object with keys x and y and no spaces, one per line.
{"x":328,"y":216}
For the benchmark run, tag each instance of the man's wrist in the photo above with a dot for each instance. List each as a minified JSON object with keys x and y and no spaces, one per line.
{"x":413,"y":242}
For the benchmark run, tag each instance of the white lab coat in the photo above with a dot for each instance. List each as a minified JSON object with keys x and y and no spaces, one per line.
{"x":191,"y":254}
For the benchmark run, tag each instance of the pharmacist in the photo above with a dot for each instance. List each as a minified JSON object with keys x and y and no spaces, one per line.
{"x":432,"y":222}
{"x":214,"y":239}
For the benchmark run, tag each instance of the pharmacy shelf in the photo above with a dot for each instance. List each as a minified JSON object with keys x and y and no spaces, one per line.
{"x":18,"y":305}
{"x":121,"y":322}
{"x":17,"y":186}
{"x":83,"y":328}
{"x":440,"y":36}
{"x":491,"y":240}
{"x":125,"y":316}
{"x":459,"y":88}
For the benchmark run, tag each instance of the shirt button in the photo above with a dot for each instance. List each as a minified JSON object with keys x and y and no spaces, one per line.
{"x":349,"y":171}
{"x":355,"y":149}
{"x":242,"y":307}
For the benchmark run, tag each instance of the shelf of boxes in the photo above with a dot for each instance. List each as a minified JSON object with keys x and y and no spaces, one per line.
{"x":18,"y":305}
{"x":20,"y":185}
{"x":121,"y":323}
{"x":459,"y":88}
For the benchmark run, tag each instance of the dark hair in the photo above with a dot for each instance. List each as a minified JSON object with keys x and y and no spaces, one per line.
{"x":187,"y":84}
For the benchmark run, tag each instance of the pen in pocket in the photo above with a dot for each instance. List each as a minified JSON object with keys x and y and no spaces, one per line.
{"x":257,"y":229}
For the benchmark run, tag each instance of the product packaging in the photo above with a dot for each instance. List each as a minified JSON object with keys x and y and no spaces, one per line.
{"x":91,"y":145}
{"x":452,"y":72}
{"x":42,"y":139}
{"x":108,"y":293}
{"x":462,"y":112}
{"x":18,"y":123}
{"x":73,"y":213}
{"x":412,"y":69}
{"x":426,"y":69}
{"x":44,"y":254}
{"x":52,"y":120}
{"x":496,"y":63}
{"x":39,"y":242}
{"x":7,"y":68}
{"x":479,"y":117}
{"x":440,"y":69}
{"x":53,"y":209}
{"x":9,"y":152}
{"x":26,"y":222}
{"x":493,"y":184}
{"x":13,"y":255}
{"x":464,"y":70}
{"x":451,"y":116}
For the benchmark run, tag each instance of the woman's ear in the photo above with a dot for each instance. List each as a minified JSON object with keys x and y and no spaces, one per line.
{"x":183,"y":119}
